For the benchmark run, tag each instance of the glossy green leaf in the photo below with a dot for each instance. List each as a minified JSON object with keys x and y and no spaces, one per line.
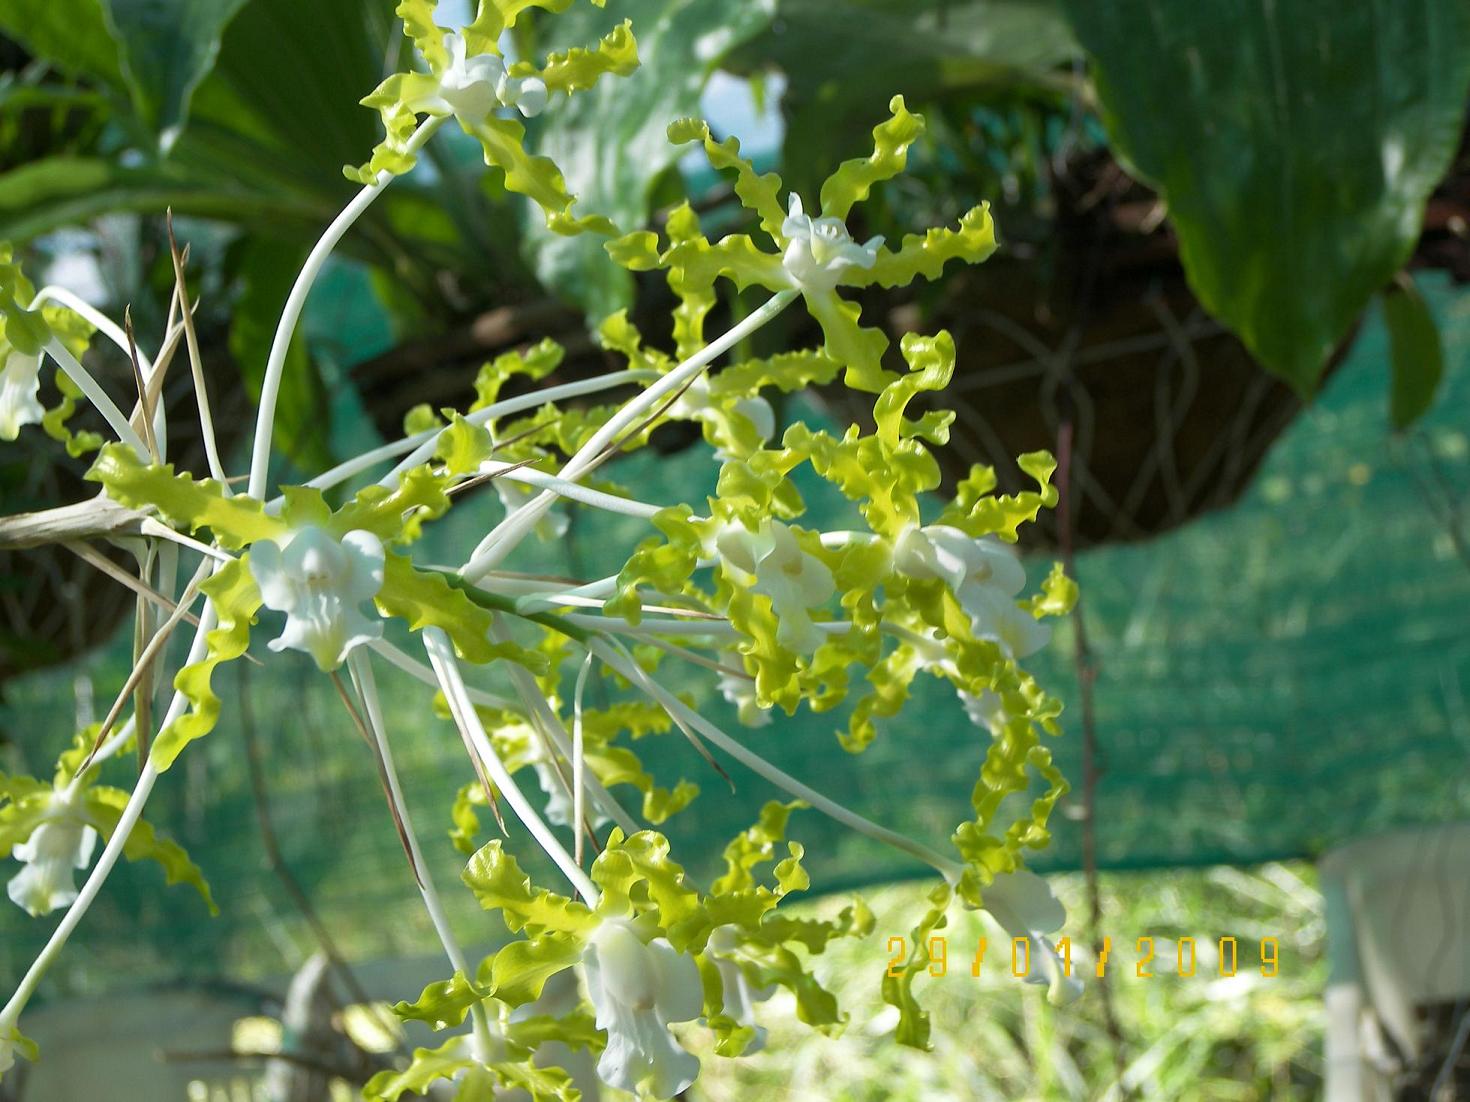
{"x":72,"y":33}
{"x":922,"y":49}
{"x":1294,"y":144}
{"x":166,"y":48}
{"x":1416,"y":357}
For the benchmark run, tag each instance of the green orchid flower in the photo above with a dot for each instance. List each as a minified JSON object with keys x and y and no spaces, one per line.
{"x":814,"y":255}
{"x":470,"y":80}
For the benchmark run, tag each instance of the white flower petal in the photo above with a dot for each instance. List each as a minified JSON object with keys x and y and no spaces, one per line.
{"x":678,"y":992}
{"x":53,"y":852}
{"x":636,"y":990}
{"x":320,"y":583}
{"x":267,"y":567}
{"x":739,"y":994}
{"x":819,"y":250}
{"x":529,"y":96}
{"x":364,"y":552}
{"x":1024,"y":905}
{"x":20,"y":390}
{"x":985,"y":710}
{"x":998,"y":618}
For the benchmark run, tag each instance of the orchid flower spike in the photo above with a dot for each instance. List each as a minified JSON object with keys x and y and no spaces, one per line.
{"x":637,"y":988}
{"x":20,"y":390}
{"x":320,"y":583}
{"x":58,"y":847}
{"x":819,"y":250}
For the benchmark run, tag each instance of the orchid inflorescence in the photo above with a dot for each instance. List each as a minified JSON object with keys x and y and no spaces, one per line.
{"x":780,"y":615}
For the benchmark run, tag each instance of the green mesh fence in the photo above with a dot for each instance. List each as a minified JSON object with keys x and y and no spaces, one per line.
{"x":1273,"y":680}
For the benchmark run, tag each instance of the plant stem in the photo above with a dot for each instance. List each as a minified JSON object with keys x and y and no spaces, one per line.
{"x":275,"y":366}
{"x":113,"y":332}
{"x":97,"y":396}
{"x":441,"y":656}
{"x":544,"y":722}
{"x":362,"y":675}
{"x":421,"y":445}
{"x":504,"y":537}
{"x":579,"y":790}
{"x":421,"y":672}
{"x":1086,"y":669}
{"x":425,"y":443}
{"x":572,"y":490}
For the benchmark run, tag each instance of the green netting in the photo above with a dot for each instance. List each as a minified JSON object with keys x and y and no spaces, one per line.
{"x":1274,"y":679}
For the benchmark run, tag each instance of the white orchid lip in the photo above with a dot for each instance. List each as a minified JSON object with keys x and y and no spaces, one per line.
{"x":772,"y":562}
{"x":473,"y":87}
{"x":320,"y":583}
{"x":985,"y":577}
{"x":63,"y":843}
{"x":819,"y":250}
{"x":20,"y":389}
{"x":637,"y":988}
{"x":1024,"y":905}
{"x":740,"y":691}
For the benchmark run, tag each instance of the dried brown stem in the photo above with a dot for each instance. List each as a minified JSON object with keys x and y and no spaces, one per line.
{"x":1086,"y":668}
